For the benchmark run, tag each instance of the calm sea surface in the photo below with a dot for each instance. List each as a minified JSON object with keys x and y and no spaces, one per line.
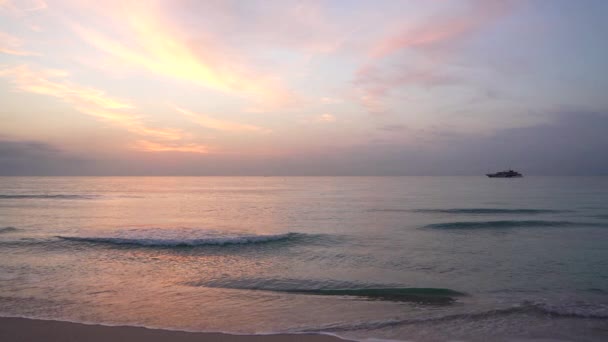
{"x":403,"y":258}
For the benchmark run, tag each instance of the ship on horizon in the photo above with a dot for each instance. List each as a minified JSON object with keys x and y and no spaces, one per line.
{"x":505,"y":174}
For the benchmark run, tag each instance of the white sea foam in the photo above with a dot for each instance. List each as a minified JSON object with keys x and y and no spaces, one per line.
{"x":171,"y":237}
{"x":577,"y":310}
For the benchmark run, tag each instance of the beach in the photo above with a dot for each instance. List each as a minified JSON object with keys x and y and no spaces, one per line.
{"x":30,"y":330}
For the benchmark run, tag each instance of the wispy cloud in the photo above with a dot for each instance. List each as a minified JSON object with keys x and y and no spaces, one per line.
{"x":150,"y":146}
{"x":429,"y":45}
{"x":371,"y":97}
{"x":326,"y":118}
{"x":150,"y":41}
{"x":219,"y":125}
{"x":375,"y":83}
{"x":40,"y":82}
{"x":130,"y":122}
{"x":89,"y":101}
{"x":443,"y":29}
{"x":12,"y":45}
{"x":22,"y":7}
{"x":331,"y":100}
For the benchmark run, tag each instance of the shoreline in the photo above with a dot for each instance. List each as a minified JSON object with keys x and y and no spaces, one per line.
{"x":32,"y":330}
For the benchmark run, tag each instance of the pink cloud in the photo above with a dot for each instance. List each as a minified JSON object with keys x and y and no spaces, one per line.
{"x":429,"y":47}
{"x":22,"y":7}
{"x":442,"y":29}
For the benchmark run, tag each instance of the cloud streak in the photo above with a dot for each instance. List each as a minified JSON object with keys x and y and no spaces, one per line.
{"x":40,"y":82}
{"x":428,"y":47}
{"x":150,"y":146}
{"x":150,"y":42}
{"x":22,"y":7}
{"x":219,"y":125}
{"x":326,"y":118}
{"x":90,"y":101}
{"x":12,"y":45}
{"x":443,"y":29}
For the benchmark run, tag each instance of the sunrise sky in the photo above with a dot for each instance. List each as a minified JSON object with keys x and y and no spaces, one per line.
{"x":303,"y":87}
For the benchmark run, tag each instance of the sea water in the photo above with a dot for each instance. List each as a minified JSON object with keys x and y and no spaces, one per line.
{"x":402,"y":258}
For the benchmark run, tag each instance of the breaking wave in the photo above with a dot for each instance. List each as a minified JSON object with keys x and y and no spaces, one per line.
{"x":184,"y":242}
{"x":575,"y":310}
{"x":421,"y":295}
{"x":598,"y":312}
{"x":7,"y":229}
{"x":507,"y":224}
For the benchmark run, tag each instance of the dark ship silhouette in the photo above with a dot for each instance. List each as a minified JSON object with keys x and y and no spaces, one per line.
{"x":505,"y":174}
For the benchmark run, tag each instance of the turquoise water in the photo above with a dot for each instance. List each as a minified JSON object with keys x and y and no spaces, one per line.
{"x":401,"y":258}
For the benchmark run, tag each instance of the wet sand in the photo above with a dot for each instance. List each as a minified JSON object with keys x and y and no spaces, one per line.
{"x":30,"y":330}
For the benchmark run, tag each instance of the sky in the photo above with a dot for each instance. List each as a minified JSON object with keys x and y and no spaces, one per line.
{"x":341,"y":87}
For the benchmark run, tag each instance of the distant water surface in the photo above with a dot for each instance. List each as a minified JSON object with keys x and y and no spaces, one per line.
{"x":403,"y":258}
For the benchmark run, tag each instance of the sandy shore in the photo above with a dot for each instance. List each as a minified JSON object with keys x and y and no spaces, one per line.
{"x":29,"y":330}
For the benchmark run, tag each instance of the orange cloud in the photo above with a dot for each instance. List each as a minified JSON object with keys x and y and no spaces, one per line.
{"x":331,"y":100}
{"x":149,"y":146}
{"x":92,"y":102}
{"x":151,"y":43}
{"x":40,"y":82}
{"x":130,"y":122}
{"x":326,"y":118}
{"x":219,"y":125}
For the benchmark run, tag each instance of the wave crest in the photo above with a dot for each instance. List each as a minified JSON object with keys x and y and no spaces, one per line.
{"x":423,"y":295}
{"x":338,"y":288}
{"x":597,"y":312}
{"x":183,"y":241}
{"x":506,"y":224}
{"x":487,"y":211}
{"x":8,"y":229}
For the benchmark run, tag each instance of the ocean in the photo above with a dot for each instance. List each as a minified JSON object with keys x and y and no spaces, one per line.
{"x":386,"y":258}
